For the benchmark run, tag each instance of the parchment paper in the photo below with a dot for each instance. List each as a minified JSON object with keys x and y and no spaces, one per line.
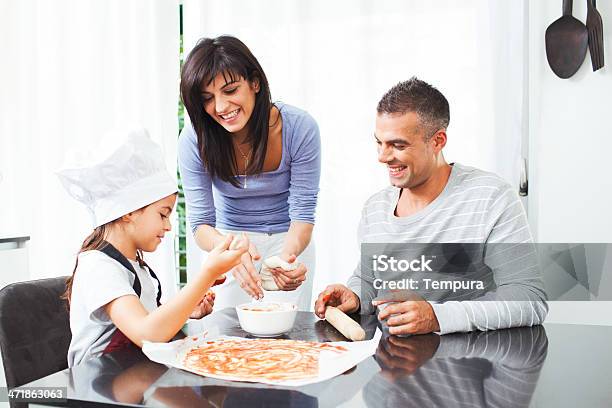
{"x":330,"y":364}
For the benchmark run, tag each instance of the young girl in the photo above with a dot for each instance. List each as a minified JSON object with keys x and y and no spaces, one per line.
{"x":114,"y":297}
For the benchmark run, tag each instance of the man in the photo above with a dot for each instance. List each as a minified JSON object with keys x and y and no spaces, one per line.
{"x":431,"y":201}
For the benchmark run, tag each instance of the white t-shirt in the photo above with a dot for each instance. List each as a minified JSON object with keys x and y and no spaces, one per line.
{"x":98,"y":280}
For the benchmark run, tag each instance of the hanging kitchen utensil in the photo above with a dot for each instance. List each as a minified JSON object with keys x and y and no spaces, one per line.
{"x":566,"y":43}
{"x":595,"y":28}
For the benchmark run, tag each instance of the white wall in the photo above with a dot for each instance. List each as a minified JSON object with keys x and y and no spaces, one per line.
{"x":335,"y":59}
{"x":77,"y":70}
{"x":570,"y":192}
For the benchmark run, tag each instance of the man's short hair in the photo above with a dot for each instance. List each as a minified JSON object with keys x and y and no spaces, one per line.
{"x":421,"y":98}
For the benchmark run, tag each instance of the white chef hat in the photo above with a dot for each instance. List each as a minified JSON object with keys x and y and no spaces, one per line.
{"x":111,"y":185}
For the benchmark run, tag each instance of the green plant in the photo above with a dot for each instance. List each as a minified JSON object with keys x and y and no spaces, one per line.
{"x":180,"y":244}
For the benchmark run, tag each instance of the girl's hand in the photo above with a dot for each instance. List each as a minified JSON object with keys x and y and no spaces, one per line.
{"x":221,"y":259}
{"x":289,"y":280}
{"x":204,"y":306}
{"x":246,"y":275}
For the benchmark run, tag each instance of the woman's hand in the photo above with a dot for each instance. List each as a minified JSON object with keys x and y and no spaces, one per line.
{"x":289,"y":280}
{"x":246,"y":275}
{"x":204,"y":306}
{"x":223,"y":258}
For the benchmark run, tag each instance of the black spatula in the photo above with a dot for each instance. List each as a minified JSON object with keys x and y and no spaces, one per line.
{"x":566,"y":43}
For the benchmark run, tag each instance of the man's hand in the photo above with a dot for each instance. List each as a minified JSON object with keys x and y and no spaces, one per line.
{"x":339,"y":296}
{"x":289,"y":280}
{"x":402,"y":356}
{"x":246,"y":275}
{"x":410,"y":317}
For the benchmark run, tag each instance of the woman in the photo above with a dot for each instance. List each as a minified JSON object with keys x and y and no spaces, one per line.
{"x":251,"y":165}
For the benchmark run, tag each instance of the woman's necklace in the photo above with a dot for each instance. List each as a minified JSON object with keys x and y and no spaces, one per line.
{"x":246,"y":162}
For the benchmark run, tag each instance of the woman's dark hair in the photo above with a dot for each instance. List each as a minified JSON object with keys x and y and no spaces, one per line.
{"x":228,"y":56}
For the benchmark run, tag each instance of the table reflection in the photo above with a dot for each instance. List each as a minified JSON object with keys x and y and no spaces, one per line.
{"x":495,"y":368}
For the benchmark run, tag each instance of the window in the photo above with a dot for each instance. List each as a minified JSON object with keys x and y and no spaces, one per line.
{"x":180,"y":245}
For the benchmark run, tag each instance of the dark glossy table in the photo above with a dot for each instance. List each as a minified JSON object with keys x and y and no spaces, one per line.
{"x":545,"y":366}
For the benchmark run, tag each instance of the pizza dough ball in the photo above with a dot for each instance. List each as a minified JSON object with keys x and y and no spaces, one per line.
{"x":277,"y":262}
{"x":267,"y":282}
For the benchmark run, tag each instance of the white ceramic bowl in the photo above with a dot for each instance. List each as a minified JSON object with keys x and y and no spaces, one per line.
{"x":266,"y":319}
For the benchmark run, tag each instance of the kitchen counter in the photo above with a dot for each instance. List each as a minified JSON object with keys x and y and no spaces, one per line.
{"x":14,"y":259}
{"x":13,"y":241}
{"x":544,"y":366}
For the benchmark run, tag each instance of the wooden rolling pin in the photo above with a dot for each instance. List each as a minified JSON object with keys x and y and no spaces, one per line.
{"x":345,"y":325}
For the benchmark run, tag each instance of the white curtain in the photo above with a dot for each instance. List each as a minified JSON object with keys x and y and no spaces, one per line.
{"x":72,"y":70}
{"x":336,"y":58}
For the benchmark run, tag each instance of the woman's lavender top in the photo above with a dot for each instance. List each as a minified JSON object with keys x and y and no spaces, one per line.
{"x":272,"y":199}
